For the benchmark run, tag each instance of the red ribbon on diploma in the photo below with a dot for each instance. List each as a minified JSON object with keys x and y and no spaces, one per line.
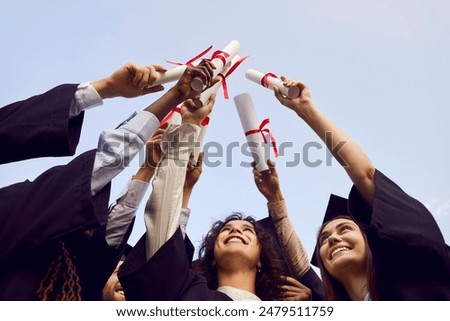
{"x":263,"y":130}
{"x":177,"y":109}
{"x":264,"y":81}
{"x":190,"y":61}
{"x":169,"y":115}
{"x":229,"y":72}
{"x":205,"y":122}
{"x":219,"y":54}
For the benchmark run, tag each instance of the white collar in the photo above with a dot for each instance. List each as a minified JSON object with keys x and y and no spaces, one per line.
{"x":238,"y":294}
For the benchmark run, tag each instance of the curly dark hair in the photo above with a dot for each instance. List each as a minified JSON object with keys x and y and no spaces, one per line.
{"x":61,"y":283}
{"x":268,"y":279}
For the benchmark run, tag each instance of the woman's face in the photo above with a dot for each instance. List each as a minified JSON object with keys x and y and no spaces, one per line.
{"x":113,"y":289}
{"x":237,"y":241}
{"x":342,"y":247}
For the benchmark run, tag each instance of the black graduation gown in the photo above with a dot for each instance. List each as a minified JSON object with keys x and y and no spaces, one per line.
{"x":167,"y":276}
{"x":35,"y":215}
{"x":410,"y":258}
{"x":40,"y":126}
{"x":56,"y":206}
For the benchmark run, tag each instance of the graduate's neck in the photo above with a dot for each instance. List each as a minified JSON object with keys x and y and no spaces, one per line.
{"x":240,"y":279}
{"x":356,"y":286}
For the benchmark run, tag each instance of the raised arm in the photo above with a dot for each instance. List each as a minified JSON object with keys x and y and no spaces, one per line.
{"x":116,"y":148}
{"x":193,"y":172}
{"x":123,"y":211}
{"x":50,"y":124}
{"x":294,"y":253}
{"x":129,"y":81}
{"x":162,"y":212}
{"x":182,"y":90}
{"x":358,"y":166}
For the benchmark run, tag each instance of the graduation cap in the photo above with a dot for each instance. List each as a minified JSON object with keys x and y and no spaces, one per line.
{"x":126,"y":251}
{"x":337,"y":206}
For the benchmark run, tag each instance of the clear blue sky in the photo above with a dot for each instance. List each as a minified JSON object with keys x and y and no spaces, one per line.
{"x":379,"y":69}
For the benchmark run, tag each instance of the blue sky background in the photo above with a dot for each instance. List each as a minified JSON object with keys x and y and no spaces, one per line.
{"x":379,"y":69}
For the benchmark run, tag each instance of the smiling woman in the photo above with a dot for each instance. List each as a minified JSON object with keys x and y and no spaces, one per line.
{"x":344,"y":256}
{"x":238,"y":260}
{"x":380,"y":244}
{"x":113,"y":289}
{"x":239,"y":253}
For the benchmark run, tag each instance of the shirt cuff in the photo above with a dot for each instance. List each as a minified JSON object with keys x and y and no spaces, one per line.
{"x":144,"y":124}
{"x":136,"y":192}
{"x":184,"y":218}
{"x":85,"y":97}
{"x":277,"y":210}
{"x":131,"y":195}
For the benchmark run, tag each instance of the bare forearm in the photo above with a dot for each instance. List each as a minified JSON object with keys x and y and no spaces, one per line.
{"x":164,"y":105}
{"x":186,"y":196}
{"x":144,"y":174}
{"x":104,"y":87}
{"x":275,"y":197}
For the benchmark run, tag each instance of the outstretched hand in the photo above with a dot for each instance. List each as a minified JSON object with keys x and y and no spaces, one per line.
{"x":191,"y":114}
{"x":153,"y":153}
{"x":268,"y":182}
{"x":193,"y":171}
{"x":129,"y":81}
{"x":302,"y":103}
{"x":205,"y":71}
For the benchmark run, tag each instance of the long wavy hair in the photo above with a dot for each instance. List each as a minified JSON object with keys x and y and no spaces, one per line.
{"x":268,"y":278}
{"x":61,"y":282}
{"x":333,"y":289}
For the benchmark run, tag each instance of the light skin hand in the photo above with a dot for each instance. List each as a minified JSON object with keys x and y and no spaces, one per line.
{"x":268,"y":183}
{"x":302,"y":104}
{"x":193,"y":115}
{"x":293,"y":290}
{"x":131,"y":80}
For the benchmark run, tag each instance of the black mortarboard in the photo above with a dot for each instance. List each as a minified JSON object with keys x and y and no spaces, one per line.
{"x":126,"y":251}
{"x":337,"y":206}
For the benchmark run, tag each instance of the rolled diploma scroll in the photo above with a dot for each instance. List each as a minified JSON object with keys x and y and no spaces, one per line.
{"x":204,"y":96}
{"x":256,"y":76}
{"x":249,"y":121}
{"x":176,"y":117}
{"x":232,"y":49}
{"x":172,"y":74}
